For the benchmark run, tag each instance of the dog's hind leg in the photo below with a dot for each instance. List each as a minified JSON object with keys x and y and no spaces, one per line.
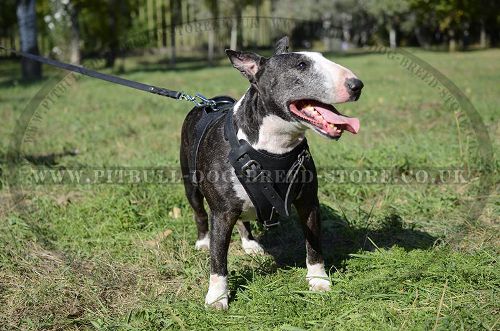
{"x":195,"y":199}
{"x":248,"y":242}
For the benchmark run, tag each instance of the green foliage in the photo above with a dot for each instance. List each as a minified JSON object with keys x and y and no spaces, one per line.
{"x":8,"y":17}
{"x":105,"y":24}
{"x":453,"y":14}
{"x":392,"y":10}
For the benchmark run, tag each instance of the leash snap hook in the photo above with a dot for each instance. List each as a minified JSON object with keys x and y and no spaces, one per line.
{"x":204,"y":101}
{"x":187,"y":97}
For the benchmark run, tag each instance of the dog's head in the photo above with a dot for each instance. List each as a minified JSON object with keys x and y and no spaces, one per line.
{"x":302,"y":87}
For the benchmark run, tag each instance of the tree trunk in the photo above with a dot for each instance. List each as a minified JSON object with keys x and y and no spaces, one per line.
{"x":392,"y":37}
{"x":452,"y":43}
{"x":326,"y":24}
{"x":211,"y":41}
{"x":239,"y":26}
{"x":174,"y":19}
{"x":234,"y":34}
{"x":214,"y":9}
{"x":422,"y":41}
{"x":75,"y":56}
{"x":163,"y":26}
{"x":346,"y":33}
{"x":363,"y":37}
{"x":12,"y":38}
{"x":257,"y":30}
{"x":482,"y":38}
{"x":113,"y":26}
{"x":26,"y":17}
{"x":155,"y":20}
{"x":146,"y":22}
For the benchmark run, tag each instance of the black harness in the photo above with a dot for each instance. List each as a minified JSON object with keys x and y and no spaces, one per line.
{"x":272,"y":181}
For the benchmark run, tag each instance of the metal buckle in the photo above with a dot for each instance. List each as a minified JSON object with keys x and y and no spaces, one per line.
{"x":271,"y":222}
{"x":248,"y":166}
{"x":305,"y":154}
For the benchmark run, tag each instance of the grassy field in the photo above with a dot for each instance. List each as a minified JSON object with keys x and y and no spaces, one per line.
{"x":121,"y":256}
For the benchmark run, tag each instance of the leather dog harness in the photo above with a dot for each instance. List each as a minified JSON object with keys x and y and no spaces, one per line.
{"x":272,"y":181}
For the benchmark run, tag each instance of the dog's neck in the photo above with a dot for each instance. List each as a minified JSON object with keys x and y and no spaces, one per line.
{"x":258,"y":124}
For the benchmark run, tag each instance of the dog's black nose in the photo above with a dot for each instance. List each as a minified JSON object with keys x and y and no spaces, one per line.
{"x":354,"y":85}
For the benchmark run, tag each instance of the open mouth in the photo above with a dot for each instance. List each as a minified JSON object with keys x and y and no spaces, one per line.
{"x":324,"y":118}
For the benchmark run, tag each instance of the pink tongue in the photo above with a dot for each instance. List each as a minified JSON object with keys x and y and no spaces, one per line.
{"x":351,"y":123}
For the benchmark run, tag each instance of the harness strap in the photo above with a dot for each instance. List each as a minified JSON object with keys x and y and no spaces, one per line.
{"x":270,"y":194}
{"x":209,"y":116}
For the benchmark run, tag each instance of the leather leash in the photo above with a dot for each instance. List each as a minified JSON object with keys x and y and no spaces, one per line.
{"x":178,"y":95}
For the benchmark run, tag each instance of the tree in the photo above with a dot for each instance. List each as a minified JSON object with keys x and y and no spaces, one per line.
{"x":103,"y":25}
{"x":61,"y":18}
{"x":213,"y":7}
{"x":73,"y":7}
{"x":390,"y":14}
{"x":451,"y":16}
{"x":356,"y":23}
{"x":8,"y":20}
{"x":234,"y":9}
{"x":175,"y":19}
{"x":26,"y":17}
{"x":113,"y":17}
{"x":455,"y":17}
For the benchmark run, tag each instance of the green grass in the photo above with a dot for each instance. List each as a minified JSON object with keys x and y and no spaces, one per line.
{"x":400,"y":256}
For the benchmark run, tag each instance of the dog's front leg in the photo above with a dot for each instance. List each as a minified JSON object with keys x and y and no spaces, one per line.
{"x":221,"y":226}
{"x":309,"y":216}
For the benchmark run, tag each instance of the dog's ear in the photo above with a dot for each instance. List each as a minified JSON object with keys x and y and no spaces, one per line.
{"x":281,"y":46}
{"x":247,"y":63}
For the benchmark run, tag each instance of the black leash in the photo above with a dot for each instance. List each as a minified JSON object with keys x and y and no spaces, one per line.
{"x":117,"y":80}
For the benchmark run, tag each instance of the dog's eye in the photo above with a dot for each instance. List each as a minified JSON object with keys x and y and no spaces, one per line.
{"x":302,"y":65}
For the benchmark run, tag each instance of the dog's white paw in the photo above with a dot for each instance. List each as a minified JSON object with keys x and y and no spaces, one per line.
{"x":317,"y":278}
{"x":319,"y":284}
{"x":203,"y":244}
{"x":251,"y":247}
{"x":217,"y":295}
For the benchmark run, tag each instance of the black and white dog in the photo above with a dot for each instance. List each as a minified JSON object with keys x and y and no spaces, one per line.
{"x":289,"y":93}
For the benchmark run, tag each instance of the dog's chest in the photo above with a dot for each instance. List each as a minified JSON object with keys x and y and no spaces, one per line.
{"x":271,"y":134}
{"x":276,"y":135}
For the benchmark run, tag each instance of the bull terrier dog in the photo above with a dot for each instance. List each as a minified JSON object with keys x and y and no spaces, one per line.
{"x":289,"y":93}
